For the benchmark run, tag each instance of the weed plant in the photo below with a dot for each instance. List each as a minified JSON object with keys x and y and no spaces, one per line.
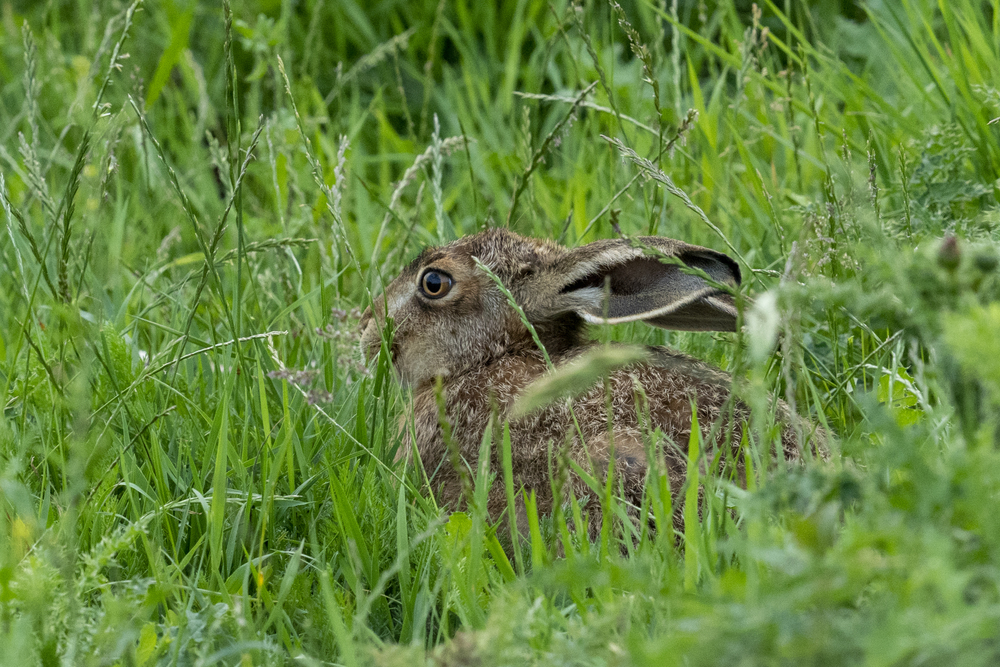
{"x":198,"y":467}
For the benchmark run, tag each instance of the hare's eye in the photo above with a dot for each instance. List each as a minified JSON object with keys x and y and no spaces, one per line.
{"x":435,"y":284}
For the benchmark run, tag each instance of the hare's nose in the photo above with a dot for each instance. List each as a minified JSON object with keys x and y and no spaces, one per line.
{"x":371,"y":336}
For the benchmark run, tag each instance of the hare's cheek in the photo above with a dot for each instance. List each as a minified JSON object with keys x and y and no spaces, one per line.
{"x":416,"y":366}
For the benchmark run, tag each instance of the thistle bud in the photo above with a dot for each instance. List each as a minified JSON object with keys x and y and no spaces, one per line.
{"x":949,"y":254}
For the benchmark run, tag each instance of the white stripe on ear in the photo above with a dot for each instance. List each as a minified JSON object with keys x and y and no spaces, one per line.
{"x":668,"y":309}
{"x":722,"y":306}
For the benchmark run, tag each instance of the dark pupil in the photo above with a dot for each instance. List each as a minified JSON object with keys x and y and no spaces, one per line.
{"x":433,"y":283}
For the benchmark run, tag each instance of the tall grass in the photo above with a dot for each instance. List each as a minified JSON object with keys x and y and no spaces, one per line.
{"x":197,"y":466}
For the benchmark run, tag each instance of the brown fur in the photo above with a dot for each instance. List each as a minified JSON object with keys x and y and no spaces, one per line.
{"x":485,"y":356}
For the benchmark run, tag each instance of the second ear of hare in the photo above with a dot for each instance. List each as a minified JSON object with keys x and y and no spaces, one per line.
{"x":452,"y":321}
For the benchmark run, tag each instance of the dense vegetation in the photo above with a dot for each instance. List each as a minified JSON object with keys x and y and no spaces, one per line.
{"x":197,"y":466}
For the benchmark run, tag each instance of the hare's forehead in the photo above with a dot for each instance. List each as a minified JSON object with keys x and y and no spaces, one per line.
{"x":438,"y":258}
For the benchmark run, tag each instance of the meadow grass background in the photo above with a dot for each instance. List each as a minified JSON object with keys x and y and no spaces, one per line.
{"x":196,"y":465}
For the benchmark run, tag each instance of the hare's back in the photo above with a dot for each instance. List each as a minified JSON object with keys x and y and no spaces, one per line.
{"x":657,"y":393}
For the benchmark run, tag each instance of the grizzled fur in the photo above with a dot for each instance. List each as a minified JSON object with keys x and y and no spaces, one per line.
{"x":477,"y":344}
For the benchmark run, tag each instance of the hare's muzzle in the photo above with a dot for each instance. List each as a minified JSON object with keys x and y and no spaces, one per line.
{"x":366,"y":317}
{"x":371,"y":341}
{"x":371,"y":335}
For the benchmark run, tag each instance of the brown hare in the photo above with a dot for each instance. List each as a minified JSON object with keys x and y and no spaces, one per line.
{"x":452,"y":321}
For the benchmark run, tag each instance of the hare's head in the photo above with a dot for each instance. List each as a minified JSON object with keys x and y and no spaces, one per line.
{"x":449,"y":316}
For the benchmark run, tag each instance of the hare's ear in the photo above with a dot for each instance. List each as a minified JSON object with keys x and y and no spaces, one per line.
{"x":613,"y":281}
